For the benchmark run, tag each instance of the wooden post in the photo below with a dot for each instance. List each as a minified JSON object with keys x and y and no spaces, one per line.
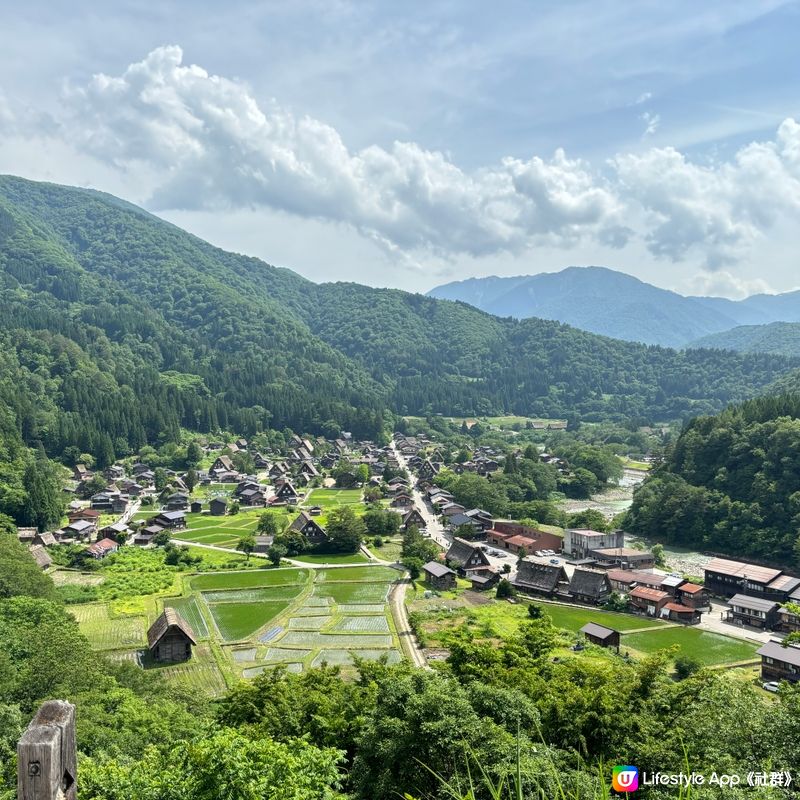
{"x":46,"y":755}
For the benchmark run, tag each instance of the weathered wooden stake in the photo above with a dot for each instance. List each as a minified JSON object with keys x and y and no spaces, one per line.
{"x":46,"y":755}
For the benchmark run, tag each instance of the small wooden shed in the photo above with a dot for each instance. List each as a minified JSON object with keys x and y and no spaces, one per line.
{"x":600,"y":635}
{"x":170,"y":638}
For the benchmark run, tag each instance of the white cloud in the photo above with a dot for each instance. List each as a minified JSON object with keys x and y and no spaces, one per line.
{"x":724,"y":284}
{"x":215,"y":145}
{"x":651,"y":121}
{"x":643,"y":98}
{"x":203,"y":142}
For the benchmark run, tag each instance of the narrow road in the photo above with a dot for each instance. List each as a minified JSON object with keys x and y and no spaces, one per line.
{"x":433,"y":527}
{"x":397,"y":602}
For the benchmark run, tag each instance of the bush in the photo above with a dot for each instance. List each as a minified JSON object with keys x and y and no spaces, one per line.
{"x":505,"y":589}
{"x":377,"y":542}
{"x":686,"y":666}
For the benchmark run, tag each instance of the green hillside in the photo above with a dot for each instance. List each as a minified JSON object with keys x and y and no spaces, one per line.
{"x":118,"y":329}
{"x":779,"y":338}
{"x":730,"y":484}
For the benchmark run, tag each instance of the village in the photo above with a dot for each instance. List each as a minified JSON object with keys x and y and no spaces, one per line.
{"x":320,"y":605}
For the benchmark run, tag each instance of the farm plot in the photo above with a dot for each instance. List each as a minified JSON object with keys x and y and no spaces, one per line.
{"x":362,"y":608}
{"x":105,"y":633}
{"x":237,"y":621}
{"x":200,"y":673}
{"x":189,"y":609}
{"x":706,"y":647}
{"x":353,"y":592}
{"x":331,"y":558}
{"x":362,"y":625}
{"x":309,"y":623}
{"x":345,"y":657}
{"x":341,"y":641}
{"x":279,"y":655}
{"x":264,"y":593}
{"x":65,"y":577}
{"x":250,"y":579}
{"x":338,"y":574}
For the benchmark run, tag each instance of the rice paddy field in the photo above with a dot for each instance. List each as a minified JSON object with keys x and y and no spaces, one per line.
{"x":705,"y":646}
{"x":328,"y":499}
{"x":251,"y":620}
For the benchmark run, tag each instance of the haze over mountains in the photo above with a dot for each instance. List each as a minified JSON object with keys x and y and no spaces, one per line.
{"x":614,"y":304}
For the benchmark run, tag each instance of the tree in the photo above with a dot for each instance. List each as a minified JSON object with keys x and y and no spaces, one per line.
{"x":162,"y":538}
{"x":19,"y":573}
{"x":43,"y":505}
{"x":414,"y":566}
{"x":362,"y":474}
{"x":194,"y":454}
{"x":191,"y":480}
{"x":294,"y":542}
{"x":345,"y":531}
{"x":246,"y":544}
{"x":234,"y":508}
{"x":505,"y":589}
{"x":658,"y":554}
{"x":160,"y":478}
{"x":269,"y":524}
{"x":276,"y":553}
{"x":686,"y":666}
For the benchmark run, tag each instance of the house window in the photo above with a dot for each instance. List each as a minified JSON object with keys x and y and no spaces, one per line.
{"x":768,"y":660}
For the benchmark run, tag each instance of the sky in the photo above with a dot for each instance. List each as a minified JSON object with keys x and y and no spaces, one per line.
{"x":413,"y":144}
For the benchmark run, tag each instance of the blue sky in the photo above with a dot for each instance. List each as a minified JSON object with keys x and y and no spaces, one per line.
{"x":411,"y":144}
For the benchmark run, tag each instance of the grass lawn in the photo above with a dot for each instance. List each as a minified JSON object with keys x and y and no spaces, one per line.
{"x":328,"y":499}
{"x":239,"y":620}
{"x":707,"y":647}
{"x":331,"y":558}
{"x":390,"y":550}
{"x":250,"y":579}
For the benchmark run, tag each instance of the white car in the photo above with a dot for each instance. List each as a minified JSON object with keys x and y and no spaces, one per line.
{"x":771,"y":686}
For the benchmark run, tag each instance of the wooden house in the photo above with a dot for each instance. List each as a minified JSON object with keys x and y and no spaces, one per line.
{"x":679,"y":613}
{"x":286,"y":493}
{"x":102,"y":548}
{"x":482,"y":581}
{"x":650,"y":602}
{"x":544,"y":579}
{"x":600,"y":635}
{"x":779,"y":663}
{"x":174,"y":520}
{"x":692,"y":595}
{"x":310,"y":528}
{"x":726,"y":578}
{"x":589,"y":586}
{"x":170,"y":638}
{"x":412,"y":517}
{"x":40,"y":556}
{"x":217,"y":507}
{"x":439,"y":576}
{"x":467,"y":557}
{"x":196,"y":507}
{"x":753,"y":611}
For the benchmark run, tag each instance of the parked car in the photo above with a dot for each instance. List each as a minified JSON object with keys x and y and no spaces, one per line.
{"x":554,"y":561}
{"x":771,"y":686}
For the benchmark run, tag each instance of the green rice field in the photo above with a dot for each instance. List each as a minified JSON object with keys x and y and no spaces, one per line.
{"x":705,"y":646}
{"x":105,"y":632}
{"x":236,"y":621}
{"x":353,"y":592}
{"x":249,"y":579}
{"x":189,"y":609}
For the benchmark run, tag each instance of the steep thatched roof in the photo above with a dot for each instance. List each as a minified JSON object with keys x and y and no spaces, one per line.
{"x":169,"y":618}
{"x":589,"y":582}
{"x":540,"y":577}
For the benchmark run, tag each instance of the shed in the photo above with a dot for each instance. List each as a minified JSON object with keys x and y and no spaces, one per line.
{"x":600,"y":635}
{"x":439,"y":576}
{"x":217,"y":506}
{"x":170,"y":638}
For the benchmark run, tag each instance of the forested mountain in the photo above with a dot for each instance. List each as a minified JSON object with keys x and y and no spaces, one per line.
{"x":730,"y":484}
{"x":118,"y":328}
{"x":782,"y":338}
{"x":614,"y":304}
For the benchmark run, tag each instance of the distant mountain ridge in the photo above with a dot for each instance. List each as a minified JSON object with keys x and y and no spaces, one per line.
{"x":780,"y":338}
{"x":611,"y":303}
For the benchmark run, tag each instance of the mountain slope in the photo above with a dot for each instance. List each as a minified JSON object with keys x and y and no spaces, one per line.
{"x":781,"y":338}
{"x":614,"y":304}
{"x":118,"y":329}
{"x":594,"y":299}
